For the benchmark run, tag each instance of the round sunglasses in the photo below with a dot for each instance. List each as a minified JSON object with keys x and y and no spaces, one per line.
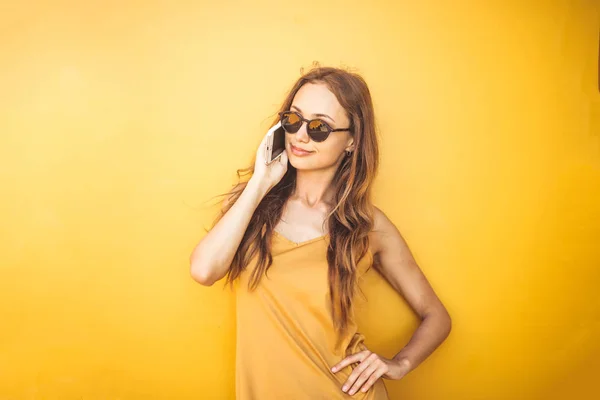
{"x":317,"y":129}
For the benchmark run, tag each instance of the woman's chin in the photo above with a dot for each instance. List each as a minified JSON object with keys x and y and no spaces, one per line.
{"x":300,"y":164}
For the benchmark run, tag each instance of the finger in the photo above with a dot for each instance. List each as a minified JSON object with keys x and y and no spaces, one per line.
{"x":372,"y":379}
{"x":356,"y":357}
{"x":362,"y":378}
{"x":260,"y":151}
{"x":357,"y":372}
{"x":284,"y":158}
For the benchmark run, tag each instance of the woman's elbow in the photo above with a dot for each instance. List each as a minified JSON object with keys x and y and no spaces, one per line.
{"x":201,"y":273}
{"x":447,"y":322}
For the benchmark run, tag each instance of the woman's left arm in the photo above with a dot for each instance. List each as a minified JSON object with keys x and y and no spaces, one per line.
{"x":394,"y":260}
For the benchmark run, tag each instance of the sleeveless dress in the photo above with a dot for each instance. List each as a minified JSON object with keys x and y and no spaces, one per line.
{"x":286,"y":344}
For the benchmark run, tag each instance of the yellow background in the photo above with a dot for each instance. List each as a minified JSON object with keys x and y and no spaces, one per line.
{"x":120,"y":119}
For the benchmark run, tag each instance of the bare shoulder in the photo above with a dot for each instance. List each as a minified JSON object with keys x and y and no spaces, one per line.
{"x":394,"y":260}
{"x":384,"y":232}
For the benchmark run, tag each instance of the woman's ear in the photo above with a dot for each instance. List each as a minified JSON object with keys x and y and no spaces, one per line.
{"x":350,"y":146}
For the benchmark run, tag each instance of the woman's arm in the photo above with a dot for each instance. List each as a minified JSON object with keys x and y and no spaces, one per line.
{"x":212,"y":256}
{"x":394,"y":260}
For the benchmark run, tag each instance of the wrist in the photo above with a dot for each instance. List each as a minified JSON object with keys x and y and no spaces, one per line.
{"x":258,"y":186}
{"x":404,"y":365}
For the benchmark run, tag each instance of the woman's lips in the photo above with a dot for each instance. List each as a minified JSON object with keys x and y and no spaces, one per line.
{"x":299,"y":152}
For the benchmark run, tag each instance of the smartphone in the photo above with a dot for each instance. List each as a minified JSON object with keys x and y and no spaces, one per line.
{"x":275,"y":143}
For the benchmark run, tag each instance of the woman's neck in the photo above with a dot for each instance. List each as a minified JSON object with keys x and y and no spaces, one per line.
{"x":313,"y":187}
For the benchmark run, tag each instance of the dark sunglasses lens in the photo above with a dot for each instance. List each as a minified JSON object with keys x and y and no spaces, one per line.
{"x":317,"y":130}
{"x":290,"y":122}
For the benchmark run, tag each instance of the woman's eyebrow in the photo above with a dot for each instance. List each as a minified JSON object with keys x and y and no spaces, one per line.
{"x":316,"y":115}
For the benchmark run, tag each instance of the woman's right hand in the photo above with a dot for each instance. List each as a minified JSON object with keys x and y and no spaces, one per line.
{"x":269,"y":175}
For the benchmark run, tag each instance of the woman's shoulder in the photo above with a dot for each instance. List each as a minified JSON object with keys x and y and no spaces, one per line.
{"x":384,"y":231}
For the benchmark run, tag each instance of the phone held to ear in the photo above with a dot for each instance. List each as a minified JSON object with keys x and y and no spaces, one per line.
{"x":275,"y":143}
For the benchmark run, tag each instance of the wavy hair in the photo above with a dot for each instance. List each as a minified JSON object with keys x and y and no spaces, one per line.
{"x":351,"y":218}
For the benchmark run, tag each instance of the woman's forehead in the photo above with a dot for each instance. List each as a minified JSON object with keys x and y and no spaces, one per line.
{"x":317,"y":99}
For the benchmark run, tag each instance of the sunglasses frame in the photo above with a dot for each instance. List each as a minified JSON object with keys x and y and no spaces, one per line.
{"x":308,"y":121}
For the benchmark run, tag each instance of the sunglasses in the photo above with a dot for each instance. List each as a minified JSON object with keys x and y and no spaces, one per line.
{"x":317,"y":129}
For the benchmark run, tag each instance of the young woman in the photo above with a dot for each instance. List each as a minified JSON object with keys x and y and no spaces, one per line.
{"x":295,"y":239}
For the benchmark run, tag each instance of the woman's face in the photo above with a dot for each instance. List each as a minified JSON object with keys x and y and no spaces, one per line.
{"x":310,"y":100}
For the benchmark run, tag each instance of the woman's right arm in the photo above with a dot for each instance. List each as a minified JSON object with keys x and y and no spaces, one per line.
{"x":212,"y":257}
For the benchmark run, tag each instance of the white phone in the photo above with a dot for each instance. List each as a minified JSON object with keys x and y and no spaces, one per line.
{"x":275,"y":143}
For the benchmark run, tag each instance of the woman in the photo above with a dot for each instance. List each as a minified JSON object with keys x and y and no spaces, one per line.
{"x":296,"y":238}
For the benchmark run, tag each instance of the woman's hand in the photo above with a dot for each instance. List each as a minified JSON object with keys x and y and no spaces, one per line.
{"x":269,"y":175}
{"x":371,"y":367}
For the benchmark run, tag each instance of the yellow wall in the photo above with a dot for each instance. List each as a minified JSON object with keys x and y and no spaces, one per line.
{"x":119,"y":119}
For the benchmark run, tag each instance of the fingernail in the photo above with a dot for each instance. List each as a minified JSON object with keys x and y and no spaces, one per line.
{"x":333,"y":369}
{"x":344,"y":388}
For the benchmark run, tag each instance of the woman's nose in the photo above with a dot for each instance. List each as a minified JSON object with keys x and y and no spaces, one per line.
{"x":302,"y":135}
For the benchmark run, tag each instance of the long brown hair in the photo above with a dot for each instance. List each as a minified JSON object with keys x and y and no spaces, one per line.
{"x":350,"y":220}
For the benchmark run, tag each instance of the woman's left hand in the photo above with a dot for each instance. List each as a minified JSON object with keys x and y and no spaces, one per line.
{"x":371,"y":367}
